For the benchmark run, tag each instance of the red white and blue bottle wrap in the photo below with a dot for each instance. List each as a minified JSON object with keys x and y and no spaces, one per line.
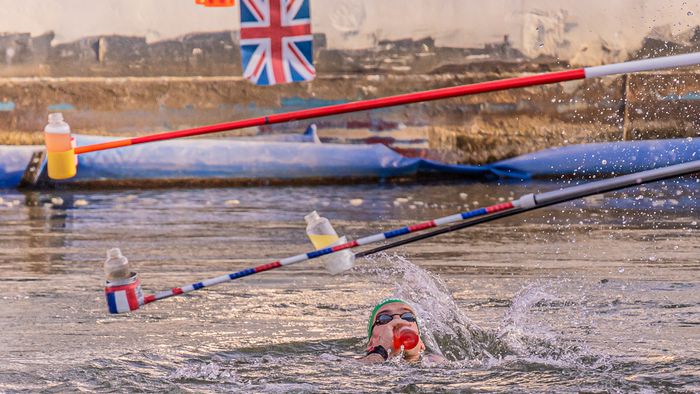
{"x":124,"y":295}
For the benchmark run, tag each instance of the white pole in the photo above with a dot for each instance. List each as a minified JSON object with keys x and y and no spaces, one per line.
{"x":635,"y":66}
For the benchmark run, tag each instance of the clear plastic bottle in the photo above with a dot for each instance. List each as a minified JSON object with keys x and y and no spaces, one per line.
{"x":323,"y":235}
{"x":319,"y":230}
{"x":57,"y":134}
{"x":116,"y":266}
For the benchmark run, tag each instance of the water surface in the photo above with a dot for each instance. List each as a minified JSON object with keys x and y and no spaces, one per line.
{"x":597,"y":295}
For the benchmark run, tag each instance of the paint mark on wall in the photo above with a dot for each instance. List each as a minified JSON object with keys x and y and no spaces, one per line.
{"x":298,"y":102}
{"x":7,"y":106}
{"x":690,"y":96}
{"x":61,"y":107}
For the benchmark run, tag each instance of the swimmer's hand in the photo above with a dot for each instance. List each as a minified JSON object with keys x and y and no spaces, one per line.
{"x":373,"y":358}
{"x":383,"y":338}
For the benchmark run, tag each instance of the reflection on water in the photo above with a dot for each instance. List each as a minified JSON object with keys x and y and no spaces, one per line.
{"x":596,"y":295}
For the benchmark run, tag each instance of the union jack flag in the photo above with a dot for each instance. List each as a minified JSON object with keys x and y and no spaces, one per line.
{"x":276,"y":41}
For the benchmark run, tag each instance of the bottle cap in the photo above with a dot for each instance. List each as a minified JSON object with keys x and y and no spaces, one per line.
{"x":55,"y":117}
{"x":313,"y":216}
{"x":114,"y":253}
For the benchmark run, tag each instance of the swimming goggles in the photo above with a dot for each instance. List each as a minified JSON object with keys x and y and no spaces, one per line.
{"x":385,"y":318}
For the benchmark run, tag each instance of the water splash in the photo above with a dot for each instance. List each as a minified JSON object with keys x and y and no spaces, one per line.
{"x":534,"y":341}
{"x":523,"y":337}
{"x":444,"y":328}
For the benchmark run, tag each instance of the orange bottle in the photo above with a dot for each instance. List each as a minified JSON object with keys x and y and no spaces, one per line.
{"x":61,"y":158}
{"x":57,"y":134}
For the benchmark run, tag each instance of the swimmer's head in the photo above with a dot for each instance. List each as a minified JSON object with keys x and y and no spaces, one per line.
{"x":389,"y":315}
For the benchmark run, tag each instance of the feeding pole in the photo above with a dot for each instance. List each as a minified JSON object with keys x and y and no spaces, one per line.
{"x":402,"y":99}
{"x":129,"y":297}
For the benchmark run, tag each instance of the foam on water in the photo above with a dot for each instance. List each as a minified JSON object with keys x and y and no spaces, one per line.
{"x":210,"y":372}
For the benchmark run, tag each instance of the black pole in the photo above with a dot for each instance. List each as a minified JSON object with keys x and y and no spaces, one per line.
{"x":530,"y":202}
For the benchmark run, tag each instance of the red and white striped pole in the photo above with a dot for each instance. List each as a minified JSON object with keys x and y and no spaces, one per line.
{"x":409,"y":98}
{"x":119,"y":300}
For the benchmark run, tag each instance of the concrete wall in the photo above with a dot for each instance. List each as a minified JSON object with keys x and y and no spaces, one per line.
{"x":131,"y":67}
{"x":562,"y":28}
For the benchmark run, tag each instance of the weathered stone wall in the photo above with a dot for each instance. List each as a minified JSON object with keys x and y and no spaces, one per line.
{"x":591,"y":30}
{"x":472,"y":129}
{"x":129,"y":85}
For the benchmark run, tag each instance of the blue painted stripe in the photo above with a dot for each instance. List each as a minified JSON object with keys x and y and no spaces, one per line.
{"x":198,"y":285}
{"x":300,"y":102}
{"x":476,"y":212}
{"x":111,"y":303}
{"x":7,"y":106}
{"x":61,"y":107}
{"x":241,"y":274}
{"x":319,"y":252}
{"x":397,"y":232}
{"x":685,"y":96}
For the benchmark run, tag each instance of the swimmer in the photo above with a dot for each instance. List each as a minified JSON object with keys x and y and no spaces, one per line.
{"x":387,"y":317}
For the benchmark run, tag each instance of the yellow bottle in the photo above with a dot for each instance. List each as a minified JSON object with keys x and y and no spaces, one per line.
{"x":60,"y":153}
{"x":322,"y":235}
{"x":322,"y":241}
{"x":57,"y":134}
{"x":319,"y":230}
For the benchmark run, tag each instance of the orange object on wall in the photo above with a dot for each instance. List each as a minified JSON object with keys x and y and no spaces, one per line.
{"x":216,"y":3}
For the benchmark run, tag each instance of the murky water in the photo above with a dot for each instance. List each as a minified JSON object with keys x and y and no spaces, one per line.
{"x":597,"y":295}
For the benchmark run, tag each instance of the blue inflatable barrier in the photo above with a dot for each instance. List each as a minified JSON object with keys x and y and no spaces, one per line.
{"x":608,"y":158}
{"x":13,"y":162}
{"x":240,"y":159}
{"x":236,"y":159}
